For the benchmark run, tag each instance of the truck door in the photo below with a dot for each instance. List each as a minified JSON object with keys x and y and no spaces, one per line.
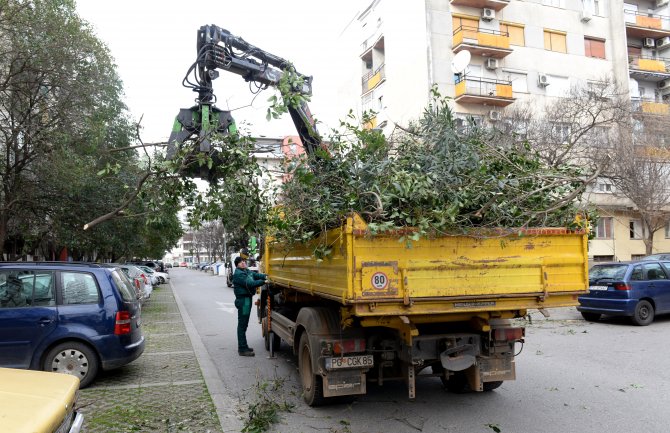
{"x":27,"y":314}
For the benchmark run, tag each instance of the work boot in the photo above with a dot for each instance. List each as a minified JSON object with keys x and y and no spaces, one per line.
{"x":247,"y":352}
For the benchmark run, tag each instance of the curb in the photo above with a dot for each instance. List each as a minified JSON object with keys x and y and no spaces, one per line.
{"x":215,"y":384}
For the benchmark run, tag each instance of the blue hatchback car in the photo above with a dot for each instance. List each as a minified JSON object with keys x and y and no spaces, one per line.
{"x":74,"y":318}
{"x":639,"y":290}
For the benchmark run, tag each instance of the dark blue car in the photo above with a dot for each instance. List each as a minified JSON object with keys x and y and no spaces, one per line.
{"x":639,"y":290}
{"x":69,"y":318}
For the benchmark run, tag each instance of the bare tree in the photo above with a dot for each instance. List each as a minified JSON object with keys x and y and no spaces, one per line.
{"x":641,"y":173}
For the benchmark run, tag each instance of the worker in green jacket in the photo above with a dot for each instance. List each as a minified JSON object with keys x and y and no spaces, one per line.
{"x":244,"y":286}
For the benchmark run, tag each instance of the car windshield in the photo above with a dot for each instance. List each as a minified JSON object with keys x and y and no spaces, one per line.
{"x":612,"y":272}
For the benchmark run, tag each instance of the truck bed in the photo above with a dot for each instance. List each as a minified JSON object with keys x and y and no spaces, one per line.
{"x":379,"y":275}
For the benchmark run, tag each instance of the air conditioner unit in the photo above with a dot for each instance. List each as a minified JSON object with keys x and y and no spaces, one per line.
{"x":491,"y":64}
{"x":585,"y":16}
{"x":663,"y":85}
{"x":648,"y":42}
{"x":495,"y":115}
{"x":543,"y":80}
{"x":663,"y":43}
{"x":488,"y":14}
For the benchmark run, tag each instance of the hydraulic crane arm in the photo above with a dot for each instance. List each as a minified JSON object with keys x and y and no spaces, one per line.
{"x":218,"y":49}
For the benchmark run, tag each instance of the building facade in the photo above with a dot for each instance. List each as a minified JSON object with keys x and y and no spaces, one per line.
{"x":490,"y":54}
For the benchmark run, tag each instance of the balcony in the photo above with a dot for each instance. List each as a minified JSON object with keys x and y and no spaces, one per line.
{"x":643,"y":25}
{"x":649,"y":68}
{"x":482,"y":42}
{"x":372,"y":79}
{"x":484,"y":91}
{"x":650,"y":106}
{"x":491,"y":4}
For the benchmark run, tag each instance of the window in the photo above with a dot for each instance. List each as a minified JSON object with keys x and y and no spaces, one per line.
{"x":516,"y":35}
{"x":603,"y":258}
{"x":468,"y":25}
{"x":636,"y":230}
{"x":519,"y":81}
{"x":604,"y":187}
{"x":667,"y":230}
{"x":79,"y":288}
{"x":26,"y":288}
{"x":594,"y":48}
{"x":555,"y":41}
{"x":560,"y":132}
{"x":593,"y":6}
{"x":558,"y":86}
{"x":655,"y":272}
{"x":604,"y":228}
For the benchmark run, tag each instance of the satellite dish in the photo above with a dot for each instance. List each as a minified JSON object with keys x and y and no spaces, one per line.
{"x":460,"y":62}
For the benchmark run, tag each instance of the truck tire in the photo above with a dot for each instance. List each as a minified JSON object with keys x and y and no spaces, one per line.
{"x":490,"y":386}
{"x":266,"y":336}
{"x":644,"y":313}
{"x":312,"y":384}
{"x":457,"y":383}
{"x":591,"y":317}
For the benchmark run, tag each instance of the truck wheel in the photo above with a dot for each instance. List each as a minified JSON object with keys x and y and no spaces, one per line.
{"x":644,"y":313}
{"x":490,"y":386}
{"x":75,"y":359}
{"x":266,"y":336}
{"x":591,"y":317}
{"x":312,"y":384}
{"x":457,"y":383}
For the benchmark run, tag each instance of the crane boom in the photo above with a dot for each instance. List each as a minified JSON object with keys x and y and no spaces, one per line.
{"x":218,"y":49}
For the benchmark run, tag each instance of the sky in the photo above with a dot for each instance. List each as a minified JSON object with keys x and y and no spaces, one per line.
{"x":154,"y":43}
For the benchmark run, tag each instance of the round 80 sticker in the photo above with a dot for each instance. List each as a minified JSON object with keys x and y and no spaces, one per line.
{"x":379,"y":280}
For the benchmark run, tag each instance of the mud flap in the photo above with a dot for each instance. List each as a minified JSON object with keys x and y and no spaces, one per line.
{"x":497,"y":369}
{"x":339,"y":383}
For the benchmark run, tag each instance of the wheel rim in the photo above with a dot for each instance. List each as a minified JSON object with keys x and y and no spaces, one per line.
{"x":644,"y":312}
{"x":70,"y":361}
{"x":306,"y":369}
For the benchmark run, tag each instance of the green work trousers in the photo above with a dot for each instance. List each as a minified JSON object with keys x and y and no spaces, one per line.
{"x":243,"y":306}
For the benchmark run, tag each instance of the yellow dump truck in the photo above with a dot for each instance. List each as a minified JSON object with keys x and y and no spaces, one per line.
{"x":377,"y":309}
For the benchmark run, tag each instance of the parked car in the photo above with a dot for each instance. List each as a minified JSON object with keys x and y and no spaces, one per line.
{"x":160,"y":277}
{"x":658,"y":256}
{"x":139,"y":278}
{"x":39,"y":402}
{"x":74,"y":318}
{"x":183,"y":264}
{"x":639,"y":290}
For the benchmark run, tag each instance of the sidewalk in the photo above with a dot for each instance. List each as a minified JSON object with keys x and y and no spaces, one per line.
{"x":163,"y":390}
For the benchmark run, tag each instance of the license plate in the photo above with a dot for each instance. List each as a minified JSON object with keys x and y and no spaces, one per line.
{"x":597,"y":288}
{"x":360,"y":361}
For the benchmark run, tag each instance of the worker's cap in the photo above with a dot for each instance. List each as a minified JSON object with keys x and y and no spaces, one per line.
{"x":244,"y":253}
{"x":238,"y":260}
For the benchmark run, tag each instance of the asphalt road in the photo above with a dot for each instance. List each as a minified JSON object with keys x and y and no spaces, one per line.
{"x":572,"y":376}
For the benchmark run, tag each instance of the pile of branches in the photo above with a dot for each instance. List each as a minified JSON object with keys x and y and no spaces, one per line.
{"x":436,"y":177}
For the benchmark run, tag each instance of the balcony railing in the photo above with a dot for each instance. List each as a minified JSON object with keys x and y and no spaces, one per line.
{"x":372,"y":79}
{"x":646,"y":25}
{"x":483,"y":42}
{"x":490,"y":4}
{"x":650,"y":106}
{"x":479,"y":90}
{"x":649,"y":64}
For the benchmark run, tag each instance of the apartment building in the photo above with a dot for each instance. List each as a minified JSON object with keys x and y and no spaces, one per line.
{"x":529,"y":51}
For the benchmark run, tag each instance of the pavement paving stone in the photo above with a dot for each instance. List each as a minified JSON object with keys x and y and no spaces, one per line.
{"x":162,"y":391}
